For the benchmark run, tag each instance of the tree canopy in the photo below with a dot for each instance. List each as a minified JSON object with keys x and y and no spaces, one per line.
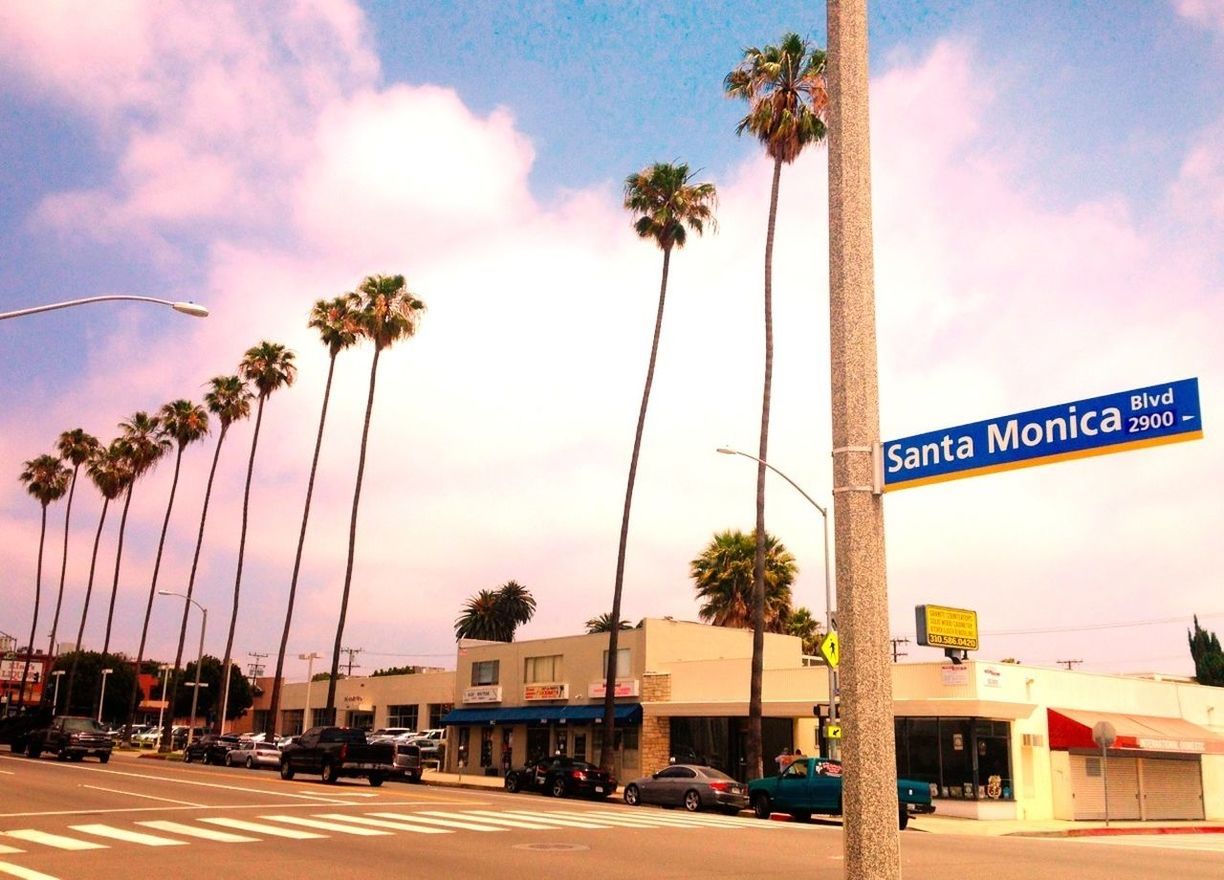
{"x":1207,"y":654}
{"x":494,"y":615}
{"x":722,"y":577}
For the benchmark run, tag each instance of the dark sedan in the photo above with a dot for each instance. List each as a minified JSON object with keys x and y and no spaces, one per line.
{"x":210,"y":748}
{"x":692,"y":786}
{"x":562,"y":776}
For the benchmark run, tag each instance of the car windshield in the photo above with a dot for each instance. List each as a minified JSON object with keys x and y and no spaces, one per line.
{"x":82,"y":725}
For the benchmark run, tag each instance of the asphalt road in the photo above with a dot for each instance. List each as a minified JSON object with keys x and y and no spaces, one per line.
{"x":137,"y":818}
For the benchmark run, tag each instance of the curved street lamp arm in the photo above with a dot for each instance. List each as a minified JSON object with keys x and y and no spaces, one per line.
{"x":726,"y":450}
{"x":187,"y":308}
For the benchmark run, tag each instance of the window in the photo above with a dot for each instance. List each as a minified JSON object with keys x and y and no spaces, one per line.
{"x":320,"y":718}
{"x":677,"y":773}
{"x":542,"y":669}
{"x":964,"y":758}
{"x":438,"y":711}
{"x":291,"y":722}
{"x":403,"y":716}
{"x":485,"y":672}
{"x":622,"y":663}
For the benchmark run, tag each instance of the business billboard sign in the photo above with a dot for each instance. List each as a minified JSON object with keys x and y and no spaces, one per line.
{"x":1151,"y":416}
{"x":558,"y":691}
{"x":485,"y":693}
{"x":625,"y":687}
{"x":943,"y":627}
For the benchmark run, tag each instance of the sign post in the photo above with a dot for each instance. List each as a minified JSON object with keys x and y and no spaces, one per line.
{"x":1103,"y":735}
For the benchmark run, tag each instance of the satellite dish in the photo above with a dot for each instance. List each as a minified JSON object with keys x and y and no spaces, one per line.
{"x":1103,"y":734}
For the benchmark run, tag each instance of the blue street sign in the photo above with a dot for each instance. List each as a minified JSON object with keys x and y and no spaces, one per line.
{"x":1158,"y":414}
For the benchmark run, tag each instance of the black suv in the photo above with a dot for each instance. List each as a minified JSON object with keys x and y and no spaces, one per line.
{"x":210,"y":748}
{"x":71,"y":736}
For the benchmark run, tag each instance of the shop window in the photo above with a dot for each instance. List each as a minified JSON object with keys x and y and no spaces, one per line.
{"x":538,"y":670}
{"x":485,"y":672}
{"x":438,"y":711}
{"x":403,"y":716}
{"x":580,"y":746}
{"x":486,"y":747}
{"x":465,"y":734}
{"x":291,"y":722}
{"x":622,"y":663}
{"x":966,"y":758}
{"x":319,"y":718}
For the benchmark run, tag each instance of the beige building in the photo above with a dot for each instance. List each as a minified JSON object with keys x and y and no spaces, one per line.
{"x":418,"y":701}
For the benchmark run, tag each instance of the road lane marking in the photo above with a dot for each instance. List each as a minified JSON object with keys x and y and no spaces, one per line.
{"x":511,"y":823}
{"x":139,"y":795}
{"x":553,"y":818}
{"x":195,"y":831}
{"x":652,"y":819}
{"x":382,"y":823}
{"x":260,"y":828}
{"x":126,"y":836}
{"x":471,"y":825}
{"x":24,"y":873}
{"x":54,"y":840}
{"x":343,"y":828}
{"x":9,"y":850}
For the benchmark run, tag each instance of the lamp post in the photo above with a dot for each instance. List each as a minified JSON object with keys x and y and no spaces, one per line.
{"x":102,"y":694}
{"x":58,"y":673}
{"x":310,"y":659}
{"x":824,"y":513}
{"x":187,"y":308}
{"x":195,"y":694}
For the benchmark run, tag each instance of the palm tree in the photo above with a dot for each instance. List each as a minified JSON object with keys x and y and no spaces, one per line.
{"x":494,"y":615}
{"x":664,"y":204}
{"x":229,"y":400}
{"x":47,"y":480}
{"x":801,"y":623}
{"x":268,"y":367}
{"x":75,"y":446}
{"x":143,"y":444}
{"x":723,"y":578}
{"x":339,"y":327}
{"x":785,"y":90}
{"x":389,"y":313}
{"x":603,"y":624}
{"x":108,"y":469}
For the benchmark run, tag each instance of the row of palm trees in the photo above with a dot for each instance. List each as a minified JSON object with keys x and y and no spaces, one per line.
{"x":785,"y":90}
{"x":380,"y":309}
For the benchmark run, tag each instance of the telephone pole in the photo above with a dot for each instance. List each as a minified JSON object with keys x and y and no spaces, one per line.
{"x":352,"y":652}
{"x":896,"y":643}
{"x":1069,"y":663}
{"x":255,"y":668}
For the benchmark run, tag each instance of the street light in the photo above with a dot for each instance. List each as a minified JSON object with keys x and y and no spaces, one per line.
{"x":187,"y":308}
{"x":195,"y":694}
{"x":310,"y":659}
{"x":102,"y":695}
{"x":824,"y":513}
{"x":55,"y":699}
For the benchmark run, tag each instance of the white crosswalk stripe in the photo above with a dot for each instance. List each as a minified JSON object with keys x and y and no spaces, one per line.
{"x":650,"y":819}
{"x":680,"y":820}
{"x":495,"y":820}
{"x":260,"y":828}
{"x":468,"y":825}
{"x":58,"y":841}
{"x":196,"y":831}
{"x":320,"y":825}
{"x":127,"y":836}
{"x":564,"y":821}
{"x":24,"y":873}
{"x":383,"y":823}
{"x":9,"y":850}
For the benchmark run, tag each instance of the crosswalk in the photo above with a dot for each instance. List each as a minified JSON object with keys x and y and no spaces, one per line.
{"x":314,"y":826}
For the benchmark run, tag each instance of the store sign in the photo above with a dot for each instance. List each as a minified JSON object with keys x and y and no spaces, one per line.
{"x":625,"y":687}
{"x":10,"y":670}
{"x":991,"y":677}
{"x":558,"y":691}
{"x":1171,"y":745}
{"x":953,"y":675}
{"x":941,"y":627}
{"x":488,"y":693}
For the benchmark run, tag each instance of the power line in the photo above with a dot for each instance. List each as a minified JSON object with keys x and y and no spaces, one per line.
{"x":1096,"y":626}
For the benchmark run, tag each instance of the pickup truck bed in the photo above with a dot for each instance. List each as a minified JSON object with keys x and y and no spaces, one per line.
{"x":337,"y":752}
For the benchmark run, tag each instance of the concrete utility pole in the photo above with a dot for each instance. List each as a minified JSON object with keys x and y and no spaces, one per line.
{"x":896,"y":645}
{"x":1070,"y":664}
{"x":872,"y":845}
{"x":255,"y":668}
{"x":352,"y":652}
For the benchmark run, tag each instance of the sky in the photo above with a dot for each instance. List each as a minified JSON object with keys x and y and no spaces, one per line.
{"x":1048,"y":205}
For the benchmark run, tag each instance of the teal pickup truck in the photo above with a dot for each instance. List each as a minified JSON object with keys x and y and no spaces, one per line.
{"x":814,"y":785}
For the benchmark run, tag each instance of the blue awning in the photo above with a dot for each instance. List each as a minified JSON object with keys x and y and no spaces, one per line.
{"x":628,"y":714}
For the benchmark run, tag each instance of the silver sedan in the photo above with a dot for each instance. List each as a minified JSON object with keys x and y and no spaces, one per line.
{"x":692,"y":786}
{"x":253,"y":754}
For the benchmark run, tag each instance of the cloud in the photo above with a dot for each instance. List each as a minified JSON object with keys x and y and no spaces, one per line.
{"x":1208,"y":13}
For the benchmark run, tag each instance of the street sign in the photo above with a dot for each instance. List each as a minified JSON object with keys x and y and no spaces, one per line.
{"x":830,"y":649}
{"x":1151,"y":416}
{"x":942,"y":627}
{"x":833,"y":731}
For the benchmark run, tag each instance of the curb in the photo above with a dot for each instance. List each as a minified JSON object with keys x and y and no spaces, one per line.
{"x":1118,"y":832}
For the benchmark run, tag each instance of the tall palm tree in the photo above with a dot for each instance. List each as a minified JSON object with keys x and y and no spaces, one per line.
{"x":494,"y":615}
{"x":801,"y":623}
{"x":268,"y":367}
{"x":339,"y":326}
{"x":229,"y":400}
{"x":785,"y":90}
{"x":182,"y":423}
{"x":47,"y":480}
{"x":603,"y":624}
{"x":389,"y":313}
{"x":108,"y":469}
{"x":665,"y":204}
{"x":143,"y":445}
{"x":723,"y":578}
{"x":75,"y":446}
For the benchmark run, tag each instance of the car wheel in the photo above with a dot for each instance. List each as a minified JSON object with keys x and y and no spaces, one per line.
{"x":512,"y":783}
{"x":415,"y":778}
{"x":903,"y":818}
{"x":32,"y":750}
{"x":328,"y":774}
{"x":376,"y":779}
{"x":104,"y":757}
{"x":286,"y":770}
{"x":187,"y":759}
{"x":692,"y":801}
{"x":229,"y":762}
{"x":250,"y":763}
{"x":78,"y":757}
{"x":761,"y":807}
{"x":557,"y":789}
{"x":633,"y":797}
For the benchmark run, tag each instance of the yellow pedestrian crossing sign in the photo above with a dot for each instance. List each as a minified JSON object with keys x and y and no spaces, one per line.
{"x":833,"y":731}
{"x":830,"y":649}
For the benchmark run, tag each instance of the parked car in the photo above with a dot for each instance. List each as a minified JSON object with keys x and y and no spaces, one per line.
{"x":252,"y":754}
{"x":148,"y":737}
{"x":693,"y":786}
{"x":814,"y":785}
{"x":390,"y":733}
{"x":15,"y":728}
{"x":336,"y":752}
{"x":210,"y":748}
{"x":432,"y":742}
{"x":408,"y":761}
{"x":561,"y":776}
{"x":178,"y":736}
{"x":71,"y":736}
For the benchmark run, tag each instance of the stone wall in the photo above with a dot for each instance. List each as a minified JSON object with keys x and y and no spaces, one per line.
{"x":656,"y":730}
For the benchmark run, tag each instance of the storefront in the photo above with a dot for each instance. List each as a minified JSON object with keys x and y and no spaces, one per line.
{"x":963,"y":758}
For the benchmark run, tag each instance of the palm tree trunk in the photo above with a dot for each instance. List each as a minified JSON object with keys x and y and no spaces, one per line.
{"x":274,"y":702}
{"x":607,"y":748}
{"x":195,"y":561}
{"x":246,"y":510}
{"x":93,"y":560}
{"x":110,"y":614}
{"x":352,"y":545}
{"x":755,"y":759}
{"x":144,"y":630}
{"x":25,"y":670}
{"x":59,"y":599}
